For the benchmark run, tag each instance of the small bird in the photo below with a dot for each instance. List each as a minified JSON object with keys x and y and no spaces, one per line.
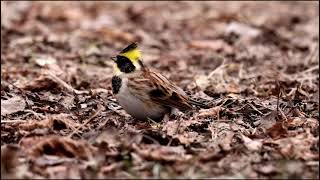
{"x":144,"y":93}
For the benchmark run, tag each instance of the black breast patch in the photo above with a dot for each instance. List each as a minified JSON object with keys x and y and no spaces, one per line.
{"x":116,"y":84}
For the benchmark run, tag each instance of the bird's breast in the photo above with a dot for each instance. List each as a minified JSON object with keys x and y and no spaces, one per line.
{"x":138,"y":105}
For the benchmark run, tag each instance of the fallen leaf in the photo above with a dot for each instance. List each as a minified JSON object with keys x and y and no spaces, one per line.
{"x":296,"y":122}
{"x":55,"y":145}
{"x":252,"y":145}
{"x":278,"y":130}
{"x":110,"y":137}
{"x":202,"y":81}
{"x":222,"y":134}
{"x":268,"y":120}
{"x":212,"y":112}
{"x":242,"y":30}
{"x":12,"y":105}
{"x":162,"y":153}
{"x":9,"y":161}
{"x":215,"y":45}
{"x":43,"y":82}
{"x":56,"y":122}
{"x":43,"y":60}
{"x":295,"y":167}
{"x":188,"y":137}
{"x":50,"y":160}
{"x":299,"y":146}
{"x":116,"y":34}
{"x":112,"y":167}
{"x":212,"y":154}
{"x":222,"y":88}
{"x":91,"y":50}
{"x":267,"y":169}
{"x":59,"y":171}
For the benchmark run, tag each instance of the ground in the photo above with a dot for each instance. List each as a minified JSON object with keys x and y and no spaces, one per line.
{"x":255,"y":64}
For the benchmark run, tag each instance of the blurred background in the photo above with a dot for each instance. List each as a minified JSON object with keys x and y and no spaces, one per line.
{"x":174,"y":36}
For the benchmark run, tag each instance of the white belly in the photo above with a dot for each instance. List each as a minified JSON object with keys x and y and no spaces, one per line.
{"x":136,"y":108}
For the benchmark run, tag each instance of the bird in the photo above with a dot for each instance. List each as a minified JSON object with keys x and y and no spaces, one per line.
{"x":144,"y":93}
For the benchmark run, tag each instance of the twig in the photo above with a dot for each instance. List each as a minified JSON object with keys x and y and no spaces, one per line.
{"x":98,"y":111}
{"x":13,"y":121}
{"x":64,"y":84}
{"x":313,"y":54}
{"x":278,"y":98}
{"x":253,"y":107}
{"x":37,"y":115}
{"x":240,"y":73}
{"x":240,"y":107}
{"x":308,"y":70}
{"x":151,"y":139}
{"x":223,"y":65}
{"x":177,"y":131}
{"x":283,"y":115}
{"x":218,"y":120}
{"x":99,"y":90}
{"x":71,"y":89}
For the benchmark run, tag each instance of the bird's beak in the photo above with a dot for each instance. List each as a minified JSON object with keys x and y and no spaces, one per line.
{"x":114,"y":58}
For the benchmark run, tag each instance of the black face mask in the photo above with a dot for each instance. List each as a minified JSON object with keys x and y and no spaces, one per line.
{"x":124,"y":64}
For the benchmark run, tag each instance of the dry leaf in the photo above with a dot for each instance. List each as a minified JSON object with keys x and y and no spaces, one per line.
{"x":162,"y":153}
{"x":296,"y":122}
{"x":56,"y":122}
{"x":43,"y":60}
{"x":222,"y":134}
{"x":212,"y":112}
{"x":116,"y":34}
{"x":43,"y":82}
{"x":216,"y":45}
{"x":252,"y":145}
{"x":242,"y":30}
{"x":9,"y":161}
{"x":59,"y":146}
{"x":49,"y":160}
{"x":109,"y":136}
{"x":268,"y":120}
{"x":267,"y":169}
{"x":278,"y":130}
{"x":202,"y":81}
{"x":12,"y":105}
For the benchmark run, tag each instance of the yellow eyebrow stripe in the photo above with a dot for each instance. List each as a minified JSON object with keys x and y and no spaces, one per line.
{"x":133,"y":55}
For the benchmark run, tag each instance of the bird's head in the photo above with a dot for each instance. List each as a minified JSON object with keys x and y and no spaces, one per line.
{"x":128,"y":60}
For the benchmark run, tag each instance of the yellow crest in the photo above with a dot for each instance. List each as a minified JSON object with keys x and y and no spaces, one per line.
{"x":132,"y":52}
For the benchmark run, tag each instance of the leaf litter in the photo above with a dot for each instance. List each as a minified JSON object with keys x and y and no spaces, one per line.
{"x":258,"y":73}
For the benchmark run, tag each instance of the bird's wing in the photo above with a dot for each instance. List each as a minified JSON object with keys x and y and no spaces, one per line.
{"x":164,"y":92}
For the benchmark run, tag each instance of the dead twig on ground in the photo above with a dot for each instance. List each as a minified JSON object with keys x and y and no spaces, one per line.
{"x":95,"y":114}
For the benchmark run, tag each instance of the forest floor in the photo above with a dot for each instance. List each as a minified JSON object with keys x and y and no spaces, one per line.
{"x":255,"y":63}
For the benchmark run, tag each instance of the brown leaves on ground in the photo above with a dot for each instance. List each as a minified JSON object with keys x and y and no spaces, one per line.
{"x":278,"y":130}
{"x":12,"y":105}
{"x":163,"y":153}
{"x":215,"y":45}
{"x":9,"y":161}
{"x":58,"y":146}
{"x":256,"y":64}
